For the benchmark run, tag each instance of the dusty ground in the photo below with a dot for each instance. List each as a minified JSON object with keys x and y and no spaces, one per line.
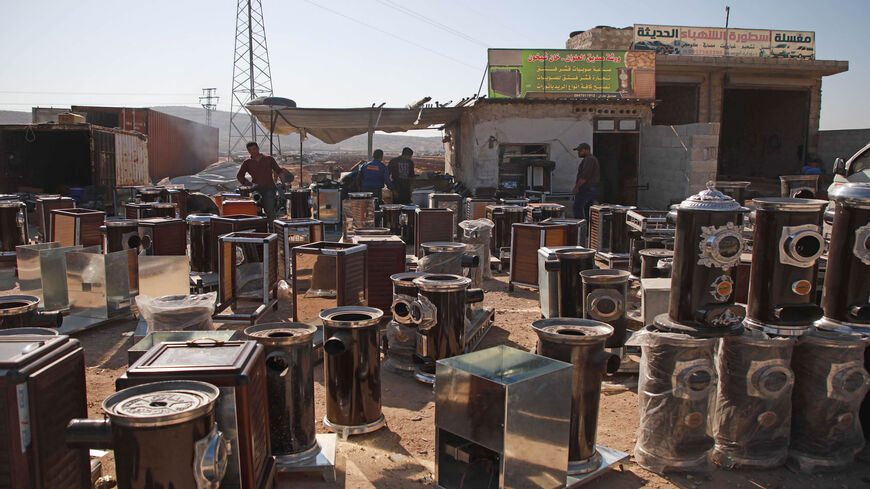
{"x":401,"y":455}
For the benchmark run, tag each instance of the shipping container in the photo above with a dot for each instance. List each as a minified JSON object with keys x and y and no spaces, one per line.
{"x":176,"y":146}
{"x":53,"y":158}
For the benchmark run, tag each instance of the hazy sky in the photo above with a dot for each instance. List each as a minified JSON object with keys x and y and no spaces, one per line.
{"x":352,"y":53}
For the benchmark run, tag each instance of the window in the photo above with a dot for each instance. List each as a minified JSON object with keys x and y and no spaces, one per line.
{"x":512,"y":163}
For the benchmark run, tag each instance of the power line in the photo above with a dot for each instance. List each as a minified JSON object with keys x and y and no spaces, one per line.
{"x":16,"y":92}
{"x":447,"y":56}
{"x":432,"y":22}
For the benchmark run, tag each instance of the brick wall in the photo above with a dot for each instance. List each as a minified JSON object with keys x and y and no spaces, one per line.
{"x":676,"y":161}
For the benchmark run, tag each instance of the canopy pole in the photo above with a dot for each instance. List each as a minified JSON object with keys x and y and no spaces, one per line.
{"x":300,"y":158}
{"x":271,"y":131}
{"x":371,"y":133}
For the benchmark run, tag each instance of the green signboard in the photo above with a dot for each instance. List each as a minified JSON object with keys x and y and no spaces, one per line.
{"x":515,"y":73}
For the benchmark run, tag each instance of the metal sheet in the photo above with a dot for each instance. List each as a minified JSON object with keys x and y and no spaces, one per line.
{"x":164,"y":275}
{"x":314,"y":295}
{"x":100,"y":286}
{"x":29,"y":271}
{"x":44,"y":269}
{"x":329,"y":206}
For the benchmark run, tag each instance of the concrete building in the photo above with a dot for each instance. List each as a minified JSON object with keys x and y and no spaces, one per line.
{"x":726,"y":117}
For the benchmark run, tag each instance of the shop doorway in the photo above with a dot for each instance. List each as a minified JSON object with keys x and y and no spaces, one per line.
{"x":764,"y":132}
{"x":618,"y":155}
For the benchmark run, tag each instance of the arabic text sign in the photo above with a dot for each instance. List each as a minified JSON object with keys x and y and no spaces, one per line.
{"x":578,"y":73}
{"x":711,"y":41}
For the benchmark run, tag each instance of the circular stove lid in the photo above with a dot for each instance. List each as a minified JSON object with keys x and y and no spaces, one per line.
{"x":443,"y":246}
{"x":572,"y":331}
{"x":710,"y":199}
{"x":161,"y":403}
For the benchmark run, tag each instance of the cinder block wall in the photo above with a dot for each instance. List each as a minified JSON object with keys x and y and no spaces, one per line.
{"x":603,"y":38}
{"x":676,"y":161}
{"x":842,"y":143}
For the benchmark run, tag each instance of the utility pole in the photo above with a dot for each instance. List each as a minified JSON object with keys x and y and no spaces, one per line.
{"x":727,"y":14}
{"x":252,"y":77}
{"x":209,"y":102}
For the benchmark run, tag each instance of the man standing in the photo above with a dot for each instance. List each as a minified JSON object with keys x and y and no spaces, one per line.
{"x":588,"y":177}
{"x":261,"y":167}
{"x":374,"y":174}
{"x":402,"y":175}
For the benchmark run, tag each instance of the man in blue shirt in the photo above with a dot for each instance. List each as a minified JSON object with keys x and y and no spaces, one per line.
{"x":374,"y":174}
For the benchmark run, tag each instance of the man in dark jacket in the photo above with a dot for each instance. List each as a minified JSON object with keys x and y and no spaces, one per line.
{"x":402,"y":175}
{"x":588,"y":178}
{"x":374,"y":174}
{"x":262,"y":169}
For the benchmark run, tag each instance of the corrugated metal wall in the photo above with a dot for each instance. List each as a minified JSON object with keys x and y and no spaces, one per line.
{"x":176,"y":146}
{"x":131,"y":160}
{"x":179,"y":146}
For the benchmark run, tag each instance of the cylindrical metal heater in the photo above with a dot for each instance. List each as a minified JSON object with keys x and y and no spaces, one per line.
{"x":402,"y":332}
{"x":300,"y":203}
{"x":707,"y":248}
{"x":163,"y":434}
{"x":736,"y":190}
{"x":439,"y":313}
{"x":290,"y":386}
{"x":782,"y":281}
{"x":391,"y":218}
{"x":352,"y":369}
{"x":570,"y":262}
{"x":202,"y":256}
{"x":407,"y":218}
{"x":446,"y":257}
{"x":650,"y":259}
{"x":846,"y":298}
{"x":580,"y":342}
{"x":120,"y":234}
{"x":752,"y":420}
{"x":677,"y":377}
{"x":604,"y":299}
{"x":13,"y":230}
{"x":830,"y":383}
{"x":799,"y":186}
{"x":20,"y":311}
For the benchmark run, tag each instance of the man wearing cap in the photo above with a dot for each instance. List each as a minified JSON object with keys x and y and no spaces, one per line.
{"x":588,"y":177}
{"x":402,"y":175}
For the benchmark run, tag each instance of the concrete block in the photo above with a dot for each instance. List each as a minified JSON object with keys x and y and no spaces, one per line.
{"x":709,"y":166}
{"x":655,"y":294}
{"x":702,"y":140}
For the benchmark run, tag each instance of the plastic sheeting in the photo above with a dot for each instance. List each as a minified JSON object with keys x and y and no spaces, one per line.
{"x":476,"y":234}
{"x":675,"y":385}
{"x":177,"y":312}
{"x":442,"y":262}
{"x":830,"y":383}
{"x":752,"y":420}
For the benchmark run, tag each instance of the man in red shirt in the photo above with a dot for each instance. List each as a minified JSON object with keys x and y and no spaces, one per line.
{"x":261,"y":168}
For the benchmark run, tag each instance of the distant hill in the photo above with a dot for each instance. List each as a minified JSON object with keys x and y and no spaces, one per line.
{"x":390,"y":143}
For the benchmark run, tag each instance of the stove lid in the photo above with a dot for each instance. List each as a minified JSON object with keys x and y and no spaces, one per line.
{"x":710,"y":199}
{"x":201,"y":356}
{"x":19,"y":350}
{"x":161,"y":403}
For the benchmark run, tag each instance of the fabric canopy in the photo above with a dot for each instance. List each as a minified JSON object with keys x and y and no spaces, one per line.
{"x":335,"y":125}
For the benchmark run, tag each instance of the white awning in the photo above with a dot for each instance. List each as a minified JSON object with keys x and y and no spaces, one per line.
{"x":335,"y":125}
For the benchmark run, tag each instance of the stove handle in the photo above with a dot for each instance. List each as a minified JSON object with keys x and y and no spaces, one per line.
{"x":89,"y":433}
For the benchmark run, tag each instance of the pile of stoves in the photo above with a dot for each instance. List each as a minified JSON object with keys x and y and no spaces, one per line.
{"x":433,"y":318}
{"x":789,"y":377}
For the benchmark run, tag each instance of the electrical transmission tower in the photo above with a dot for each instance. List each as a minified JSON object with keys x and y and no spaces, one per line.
{"x":252,"y":77}
{"x":209,"y":102}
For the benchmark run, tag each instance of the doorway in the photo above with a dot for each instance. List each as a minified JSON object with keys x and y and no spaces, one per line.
{"x":764,"y":132}
{"x":618,"y":156}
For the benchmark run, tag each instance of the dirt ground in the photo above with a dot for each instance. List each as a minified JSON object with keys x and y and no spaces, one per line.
{"x":402,"y":454}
